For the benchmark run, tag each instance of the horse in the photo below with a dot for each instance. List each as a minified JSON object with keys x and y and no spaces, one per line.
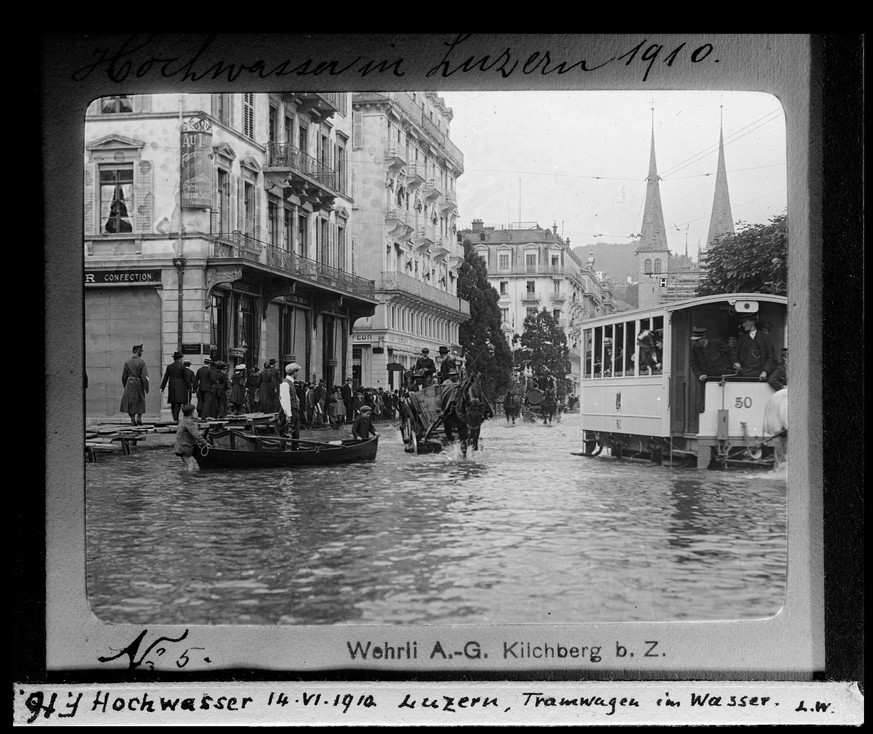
{"x":511,"y":407}
{"x":548,"y":406}
{"x":776,"y":425}
{"x":473,"y":409}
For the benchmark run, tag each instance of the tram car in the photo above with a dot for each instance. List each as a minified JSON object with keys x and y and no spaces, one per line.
{"x":640,"y":398}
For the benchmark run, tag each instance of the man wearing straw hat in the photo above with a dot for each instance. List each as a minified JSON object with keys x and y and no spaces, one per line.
{"x":289,"y":404}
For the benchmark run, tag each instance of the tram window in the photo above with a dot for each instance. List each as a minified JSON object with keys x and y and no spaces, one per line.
{"x":629,"y":349}
{"x":606,"y":355}
{"x":587,"y":354}
{"x":618,"y":351}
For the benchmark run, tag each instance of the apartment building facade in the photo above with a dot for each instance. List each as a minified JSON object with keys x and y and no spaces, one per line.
{"x":218,"y":225}
{"x":532,"y":268}
{"x":404,"y":167}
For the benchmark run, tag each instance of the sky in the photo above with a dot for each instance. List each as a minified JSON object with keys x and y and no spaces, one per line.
{"x":580,"y":160}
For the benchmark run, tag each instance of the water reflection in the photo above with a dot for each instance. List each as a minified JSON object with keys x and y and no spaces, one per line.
{"x":524,"y":532}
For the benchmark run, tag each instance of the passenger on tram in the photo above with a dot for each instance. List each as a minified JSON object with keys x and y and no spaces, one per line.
{"x":710,"y":357}
{"x":650,"y":356}
{"x":755,"y":356}
{"x":779,"y":377}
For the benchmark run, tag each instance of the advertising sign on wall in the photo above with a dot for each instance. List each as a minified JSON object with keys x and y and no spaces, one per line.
{"x":197,"y":163}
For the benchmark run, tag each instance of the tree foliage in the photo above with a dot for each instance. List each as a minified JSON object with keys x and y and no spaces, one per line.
{"x":754,"y":260}
{"x":485,"y":347}
{"x":544,"y":344}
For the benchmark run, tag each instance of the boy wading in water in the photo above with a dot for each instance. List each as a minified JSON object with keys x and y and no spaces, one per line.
{"x":187,"y":437}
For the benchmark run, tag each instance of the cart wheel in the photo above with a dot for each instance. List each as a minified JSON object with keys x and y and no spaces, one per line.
{"x":404,"y":431}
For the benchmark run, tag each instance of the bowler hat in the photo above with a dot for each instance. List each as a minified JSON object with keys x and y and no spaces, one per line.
{"x":136,"y":347}
{"x":272,"y":361}
{"x":177,"y":355}
{"x":698,"y":332}
{"x":444,"y":350}
{"x":425,"y":351}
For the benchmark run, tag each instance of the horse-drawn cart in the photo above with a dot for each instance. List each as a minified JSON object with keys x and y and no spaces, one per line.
{"x":421,"y":421}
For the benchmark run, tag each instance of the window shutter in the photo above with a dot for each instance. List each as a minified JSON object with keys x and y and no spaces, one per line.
{"x":237,"y":203}
{"x":257,"y":217}
{"x":357,"y":130}
{"x":90,"y":196}
{"x":215,"y":214}
{"x":143,"y":196}
{"x":353,"y":173}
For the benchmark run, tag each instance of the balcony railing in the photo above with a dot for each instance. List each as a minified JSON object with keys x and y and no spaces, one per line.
{"x":404,"y":101}
{"x":394,"y":281}
{"x":284,"y":155}
{"x":531,"y":296}
{"x":241,"y":246}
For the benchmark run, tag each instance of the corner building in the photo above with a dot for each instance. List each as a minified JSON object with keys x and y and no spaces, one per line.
{"x":533,"y":268}
{"x":217,"y":225}
{"x":403,"y":227}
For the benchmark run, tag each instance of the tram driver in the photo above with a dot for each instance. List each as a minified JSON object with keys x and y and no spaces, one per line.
{"x":709,"y":357}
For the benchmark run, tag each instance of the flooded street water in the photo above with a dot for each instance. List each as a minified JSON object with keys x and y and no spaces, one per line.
{"x":523,"y":532}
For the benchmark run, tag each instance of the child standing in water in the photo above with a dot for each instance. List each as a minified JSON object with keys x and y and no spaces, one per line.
{"x":187,"y":437}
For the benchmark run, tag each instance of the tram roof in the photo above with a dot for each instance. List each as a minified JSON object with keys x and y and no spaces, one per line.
{"x":683,"y":305}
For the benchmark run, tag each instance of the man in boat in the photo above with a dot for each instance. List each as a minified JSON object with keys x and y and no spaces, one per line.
{"x":363,"y":427}
{"x":710,"y":357}
{"x":289,"y":404}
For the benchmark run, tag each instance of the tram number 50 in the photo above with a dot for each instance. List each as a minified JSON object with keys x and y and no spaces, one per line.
{"x":743,"y":402}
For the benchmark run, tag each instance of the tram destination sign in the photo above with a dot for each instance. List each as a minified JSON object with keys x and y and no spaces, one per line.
{"x":122,"y":277}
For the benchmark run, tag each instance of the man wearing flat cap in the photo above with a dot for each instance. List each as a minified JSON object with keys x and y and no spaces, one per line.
{"x":135,"y":380}
{"x":710,"y":357}
{"x":176,"y":378}
{"x":424,"y":362}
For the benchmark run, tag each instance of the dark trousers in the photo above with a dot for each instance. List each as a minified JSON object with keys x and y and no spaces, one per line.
{"x":175,"y":408}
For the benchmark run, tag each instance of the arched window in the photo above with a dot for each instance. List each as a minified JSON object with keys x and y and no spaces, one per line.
{"x":482,"y":236}
{"x":647,"y":267}
{"x":657,"y":265}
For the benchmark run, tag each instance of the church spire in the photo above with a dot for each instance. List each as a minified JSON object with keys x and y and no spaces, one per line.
{"x":721,"y":222}
{"x":653,"y":253}
{"x":653,"y":236}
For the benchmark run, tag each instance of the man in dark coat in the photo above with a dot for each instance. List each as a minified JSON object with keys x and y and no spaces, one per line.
{"x":755,"y":356}
{"x":779,"y":376}
{"x":203,"y":388}
{"x":446,"y":365}
{"x":348,"y":396}
{"x":135,"y":380}
{"x":424,"y":362}
{"x":188,"y":371}
{"x":218,"y":404}
{"x":710,"y":357}
{"x":176,"y":378}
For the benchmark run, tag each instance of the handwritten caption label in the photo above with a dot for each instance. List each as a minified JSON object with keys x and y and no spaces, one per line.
{"x":421,"y":703}
{"x":136,"y":57}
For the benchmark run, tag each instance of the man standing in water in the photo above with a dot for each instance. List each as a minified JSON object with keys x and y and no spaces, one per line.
{"x":135,"y":380}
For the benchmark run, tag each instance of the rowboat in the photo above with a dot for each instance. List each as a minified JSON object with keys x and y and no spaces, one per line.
{"x":233,"y":449}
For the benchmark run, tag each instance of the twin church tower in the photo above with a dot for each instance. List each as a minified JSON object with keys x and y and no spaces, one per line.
{"x":653,"y":252}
